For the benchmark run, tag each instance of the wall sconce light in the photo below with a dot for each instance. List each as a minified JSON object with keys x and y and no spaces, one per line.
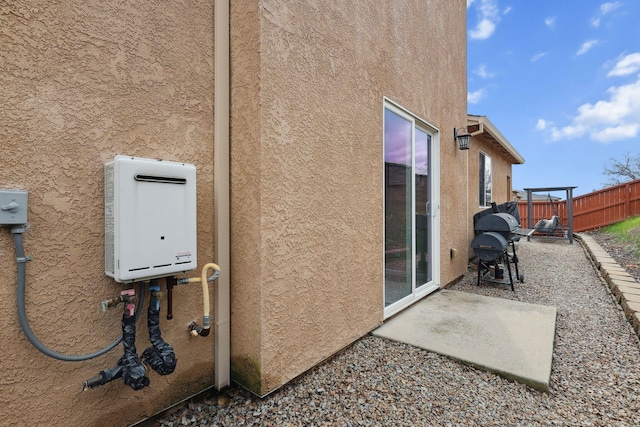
{"x":463,"y":137}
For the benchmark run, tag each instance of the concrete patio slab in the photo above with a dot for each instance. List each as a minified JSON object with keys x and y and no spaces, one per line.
{"x":510,"y":338}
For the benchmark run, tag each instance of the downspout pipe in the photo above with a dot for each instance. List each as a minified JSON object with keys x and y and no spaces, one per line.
{"x":221,"y":179}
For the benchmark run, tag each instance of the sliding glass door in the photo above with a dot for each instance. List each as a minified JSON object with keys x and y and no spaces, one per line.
{"x":409,"y":217}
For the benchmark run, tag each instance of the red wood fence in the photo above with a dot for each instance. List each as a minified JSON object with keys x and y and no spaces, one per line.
{"x":592,"y":210}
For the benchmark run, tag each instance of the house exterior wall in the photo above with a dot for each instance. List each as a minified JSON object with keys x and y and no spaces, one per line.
{"x":501,"y":179}
{"x":83,"y":81}
{"x":308,"y":81}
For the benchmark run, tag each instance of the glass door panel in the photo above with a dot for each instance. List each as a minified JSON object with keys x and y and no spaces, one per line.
{"x":398,"y":250}
{"x":422,"y":206}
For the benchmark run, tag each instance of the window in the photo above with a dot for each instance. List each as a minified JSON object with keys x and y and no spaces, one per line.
{"x":484,"y":168}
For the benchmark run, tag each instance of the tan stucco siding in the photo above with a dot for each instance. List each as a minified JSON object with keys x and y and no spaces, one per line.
{"x":246,"y":192}
{"x":81,"y":82}
{"x":307,"y":162}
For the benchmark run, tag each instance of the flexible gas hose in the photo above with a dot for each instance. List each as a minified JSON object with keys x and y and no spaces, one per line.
{"x":203,"y":279}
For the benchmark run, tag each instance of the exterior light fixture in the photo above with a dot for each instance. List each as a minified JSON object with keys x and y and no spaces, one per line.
{"x":463,"y":137}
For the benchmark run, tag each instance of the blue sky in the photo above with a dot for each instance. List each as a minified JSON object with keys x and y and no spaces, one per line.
{"x":560,"y":79}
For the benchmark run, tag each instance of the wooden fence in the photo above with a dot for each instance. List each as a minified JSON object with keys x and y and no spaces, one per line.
{"x":592,"y":210}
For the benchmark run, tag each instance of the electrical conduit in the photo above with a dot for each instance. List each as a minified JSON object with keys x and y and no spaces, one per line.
{"x":21,"y":260}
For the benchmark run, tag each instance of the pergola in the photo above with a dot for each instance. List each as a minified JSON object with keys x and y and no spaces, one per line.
{"x":569,"y":191}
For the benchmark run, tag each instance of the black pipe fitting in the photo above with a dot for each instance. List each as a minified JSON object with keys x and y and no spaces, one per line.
{"x":171,"y":282}
{"x":199,"y":330}
{"x":103,"y":377}
{"x":160,"y":356}
{"x":133,"y":371}
{"x":129,"y":367}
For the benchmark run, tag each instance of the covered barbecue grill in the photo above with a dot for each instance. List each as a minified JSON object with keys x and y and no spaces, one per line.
{"x":489,"y":246}
{"x":501,"y":223}
{"x":495,"y":232}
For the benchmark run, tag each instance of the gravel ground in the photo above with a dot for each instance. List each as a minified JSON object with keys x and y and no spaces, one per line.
{"x":595,"y":379}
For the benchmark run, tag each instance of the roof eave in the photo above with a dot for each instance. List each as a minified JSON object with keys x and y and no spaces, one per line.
{"x":485,"y":125}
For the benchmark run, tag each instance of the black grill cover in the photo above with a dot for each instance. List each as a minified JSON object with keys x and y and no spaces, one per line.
{"x":502,"y":223}
{"x":508,"y":207}
{"x":489,"y":246}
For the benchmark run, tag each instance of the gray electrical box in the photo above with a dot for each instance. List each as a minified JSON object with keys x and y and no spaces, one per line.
{"x":13,"y":207}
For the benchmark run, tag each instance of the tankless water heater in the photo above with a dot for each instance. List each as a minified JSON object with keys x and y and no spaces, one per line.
{"x":150,"y":218}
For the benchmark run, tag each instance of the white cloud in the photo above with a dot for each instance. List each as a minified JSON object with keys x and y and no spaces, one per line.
{"x":537,"y":56}
{"x":507,"y":10}
{"x":469,"y":3}
{"x":482,"y":72}
{"x":476,"y":96}
{"x":542,"y":124}
{"x":627,"y":65}
{"x":623,"y":104}
{"x":487,"y":19}
{"x":567,"y":132}
{"x":483,"y":30}
{"x":609,"y":7}
{"x":586,"y":46}
{"x":605,"y":8}
{"x":550,"y":21}
{"x":609,"y":120}
{"x":612,"y":134}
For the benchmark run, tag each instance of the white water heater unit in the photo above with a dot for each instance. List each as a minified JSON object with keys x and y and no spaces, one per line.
{"x":150,"y":218}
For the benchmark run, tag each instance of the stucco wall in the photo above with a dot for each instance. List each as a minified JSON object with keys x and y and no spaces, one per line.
{"x":308,"y":81}
{"x":81,"y":82}
{"x":246,"y":187}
